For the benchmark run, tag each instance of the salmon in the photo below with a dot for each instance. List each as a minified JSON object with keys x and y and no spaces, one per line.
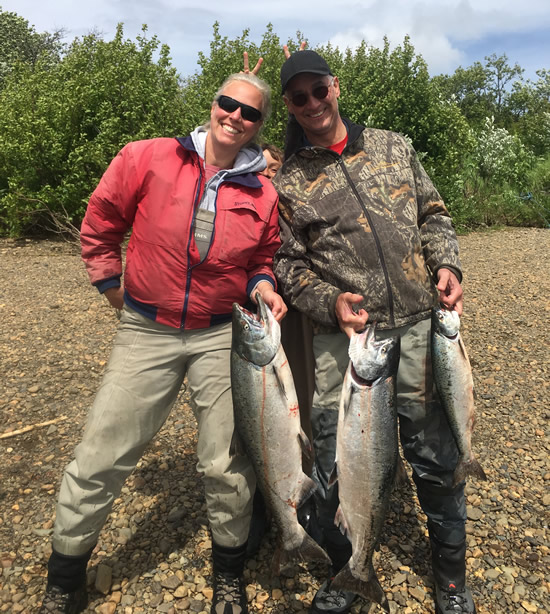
{"x":366,"y":457}
{"x":454,"y":382}
{"x":267,"y":425}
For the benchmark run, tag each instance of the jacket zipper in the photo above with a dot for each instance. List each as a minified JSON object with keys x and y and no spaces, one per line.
{"x":190,"y":269}
{"x":376,"y":239}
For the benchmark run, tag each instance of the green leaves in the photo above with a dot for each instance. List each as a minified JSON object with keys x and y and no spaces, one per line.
{"x":66,"y":110}
{"x":61,"y":124}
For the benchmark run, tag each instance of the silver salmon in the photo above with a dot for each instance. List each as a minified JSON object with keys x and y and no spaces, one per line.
{"x":366,"y":457}
{"x":267,"y":423}
{"x":454,"y":382}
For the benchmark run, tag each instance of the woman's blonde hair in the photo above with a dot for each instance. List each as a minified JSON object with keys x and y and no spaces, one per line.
{"x":258,"y":83}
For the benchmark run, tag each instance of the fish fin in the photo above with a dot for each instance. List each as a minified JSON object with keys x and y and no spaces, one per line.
{"x":305,"y":444}
{"x":463,"y":349}
{"x":370,"y":590}
{"x":341,"y":523}
{"x":346,"y":394}
{"x":307,"y":488}
{"x":276,"y":559}
{"x":401,"y":477}
{"x":333,"y":478}
{"x":280,"y":380}
{"x":308,"y":550}
{"x":236,"y":447}
{"x":466,"y":468}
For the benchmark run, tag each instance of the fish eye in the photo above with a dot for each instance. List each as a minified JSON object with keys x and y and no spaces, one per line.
{"x":246,"y":326}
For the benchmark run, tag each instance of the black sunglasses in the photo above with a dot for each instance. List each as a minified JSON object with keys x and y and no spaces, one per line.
{"x":229,"y":105}
{"x":320,"y":92}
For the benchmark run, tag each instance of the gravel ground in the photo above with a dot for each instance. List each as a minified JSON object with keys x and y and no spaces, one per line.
{"x":154,"y":552}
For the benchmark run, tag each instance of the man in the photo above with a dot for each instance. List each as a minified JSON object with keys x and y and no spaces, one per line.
{"x":367,"y":237}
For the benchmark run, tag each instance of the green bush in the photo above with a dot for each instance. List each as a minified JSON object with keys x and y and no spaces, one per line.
{"x":61,"y":125}
{"x":65,"y":111}
{"x":497,"y":182}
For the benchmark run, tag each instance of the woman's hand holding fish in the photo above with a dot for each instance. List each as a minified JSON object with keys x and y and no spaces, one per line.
{"x":450,"y":290}
{"x":273,"y":300}
{"x":350,"y":320}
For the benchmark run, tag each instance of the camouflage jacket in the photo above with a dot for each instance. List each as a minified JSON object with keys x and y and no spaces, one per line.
{"x":368,"y":221}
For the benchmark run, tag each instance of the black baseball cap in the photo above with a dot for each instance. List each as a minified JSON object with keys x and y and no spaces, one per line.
{"x":300,"y":62}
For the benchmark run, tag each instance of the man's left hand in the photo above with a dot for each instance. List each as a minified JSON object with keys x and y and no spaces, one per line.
{"x":450,"y":290}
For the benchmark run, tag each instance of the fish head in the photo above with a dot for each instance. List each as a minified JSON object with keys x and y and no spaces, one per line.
{"x":445,"y":322}
{"x":256,"y":336}
{"x":373,"y":359}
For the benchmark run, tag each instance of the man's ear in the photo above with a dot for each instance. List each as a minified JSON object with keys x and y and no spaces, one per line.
{"x":336,"y":86}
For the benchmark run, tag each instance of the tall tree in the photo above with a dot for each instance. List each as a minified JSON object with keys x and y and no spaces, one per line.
{"x":529,"y":103}
{"x":500,"y":75}
{"x":19,"y":42}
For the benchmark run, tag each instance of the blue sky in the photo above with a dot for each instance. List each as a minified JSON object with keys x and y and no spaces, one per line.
{"x":447,"y":33}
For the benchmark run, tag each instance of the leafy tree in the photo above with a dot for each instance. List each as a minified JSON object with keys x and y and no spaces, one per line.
{"x":500,"y":75}
{"x":468,"y":87}
{"x":60,"y":126}
{"x":20,"y":42}
{"x":482,"y":90}
{"x":530,"y":106}
{"x":65,"y":112}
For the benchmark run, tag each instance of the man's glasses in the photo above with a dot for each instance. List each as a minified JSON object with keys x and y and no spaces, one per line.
{"x":320,"y":92}
{"x":229,"y":105}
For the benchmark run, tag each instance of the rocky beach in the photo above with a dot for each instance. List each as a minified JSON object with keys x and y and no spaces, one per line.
{"x":154,"y":551}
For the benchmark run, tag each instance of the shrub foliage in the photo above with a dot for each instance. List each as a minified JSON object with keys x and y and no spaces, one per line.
{"x":66,"y":109}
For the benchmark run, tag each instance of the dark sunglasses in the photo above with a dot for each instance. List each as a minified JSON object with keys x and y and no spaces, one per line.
{"x":229,"y":105}
{"x":320,"y":92}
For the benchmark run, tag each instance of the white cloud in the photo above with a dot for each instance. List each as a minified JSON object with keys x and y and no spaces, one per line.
{"x":440,"y":30}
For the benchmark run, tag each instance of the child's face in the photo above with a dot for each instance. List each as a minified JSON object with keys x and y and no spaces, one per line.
{"x":272,"y":165}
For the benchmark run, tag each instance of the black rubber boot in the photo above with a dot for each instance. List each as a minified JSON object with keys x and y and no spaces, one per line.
{"x":259,"y":524}
{"x":66,"y":588}
{"x":57,"y":601}
{"x":338,"y":547}
{"x":229,"y":590}
{"x":307,"y":517}
{"x":449,"y":570}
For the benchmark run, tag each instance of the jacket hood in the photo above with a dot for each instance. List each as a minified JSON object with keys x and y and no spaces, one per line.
{"x":248,"y":162}
{"x":250,"y":159}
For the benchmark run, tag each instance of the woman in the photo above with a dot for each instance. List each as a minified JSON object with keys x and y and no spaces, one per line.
{"x":204,"y":232}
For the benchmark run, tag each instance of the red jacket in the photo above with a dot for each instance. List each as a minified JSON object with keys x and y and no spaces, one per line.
{"x":154,"y":187}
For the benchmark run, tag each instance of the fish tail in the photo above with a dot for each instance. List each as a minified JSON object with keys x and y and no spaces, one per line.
{"x":466,"y":468}
{"x":370,"y":590}
{"x":401,"y":477}
{"x":308,"y":550}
